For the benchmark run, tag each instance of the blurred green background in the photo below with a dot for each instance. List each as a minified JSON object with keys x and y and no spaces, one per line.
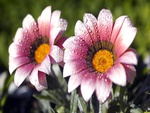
{"x":12,"y":13}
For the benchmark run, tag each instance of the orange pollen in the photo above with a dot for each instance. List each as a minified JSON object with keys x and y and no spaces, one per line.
{"x":102,"y":60}
{"x":41,"y":52}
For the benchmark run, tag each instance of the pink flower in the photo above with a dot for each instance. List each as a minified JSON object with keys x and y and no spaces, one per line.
{"x":36,"y":45}
{"x":99,"y":55}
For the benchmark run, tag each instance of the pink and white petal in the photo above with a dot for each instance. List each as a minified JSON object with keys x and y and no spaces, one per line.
{"x":63,"y":24}
{"x":22,"y":72}
{"x":34,"y":75}
{"x":16,"y":51}
{"x":130,"y":72}
{"x":37,"y":78}
{"x":42,"y":79}
{"x":30,"y":26}
{"x":18,"y":36}
{"x":117,"y":27}
{"x":75,"y":43}
{"x":44,"y":22}
{"x":75,"y":80}
{"x":55,"y":18}
{"x":15,"y":62}
{"x":45,"y":66}
{"x":53,"y":35}
{"x":90,"y":23}
{"x":105,"y":23}
{"x":117,"y":74}
{"x":129,"y":57}
{"x":56,"y":53}
{"x":88,"y":85}
{"x":74,"y":66}
{"x":103,"y":88}
{"x":82,"y":33}
{"x":125,"y":37}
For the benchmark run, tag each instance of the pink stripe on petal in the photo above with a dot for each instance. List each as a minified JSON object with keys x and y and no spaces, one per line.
{"x":56,"y":53}
{"x":75,"y":80}
{"x":117,"y":27}
{"x":105,"y":22}
{"x":22,"y":72}
{"x":125,"y":37}
{"x":130,"y":72}
{"x":81,"y":32}
{"x":44,"y":22}
{"x":74,"y":67}
{"x":45,"y":65}
{"x":15,"y":62}
{"x":16,"y":51}
{"x":60,"y":42}
{"x":117,"y":74}
{"x":90,"y":23}
{"x":129,"y":57}
{"x":88,"y":85}
{"x":103,"y":88}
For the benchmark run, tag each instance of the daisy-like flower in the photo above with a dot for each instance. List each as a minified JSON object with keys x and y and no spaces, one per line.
{"x":99,"y":55}
{"x":36,"y":46}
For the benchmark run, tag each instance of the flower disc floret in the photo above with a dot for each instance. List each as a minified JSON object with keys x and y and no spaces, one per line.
{"x":102,"y":60}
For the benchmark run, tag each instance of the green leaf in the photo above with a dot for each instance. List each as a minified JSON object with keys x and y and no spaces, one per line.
{"x":74,"y":102}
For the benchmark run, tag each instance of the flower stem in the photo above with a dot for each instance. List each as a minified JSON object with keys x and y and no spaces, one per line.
{"x":100,"y":107}
{"x":122,"y":90}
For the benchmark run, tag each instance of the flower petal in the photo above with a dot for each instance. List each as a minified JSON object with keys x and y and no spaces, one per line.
{"x":42,"y":81}
{"x":60,"y":42}
{"x":45,"y":66}
{"x":117,"y":74}
{"x":74,"y":67}
{"x":88,"y":85}
{"x":116,"y":28}
{"x":15,"y":62}
{"x":55,"y":18}
{"x":44,"y":22}
{"x":53,"y":35}
{"x":130,"y":72}
{"x":75,"y":80}
{"x":129,"y":57}
{"x":30,"y":26}
{"x":22,"y":72}
{"x":82,"y":33}
{"x":37,"y":78}
{"x":90,"y":23}
{"x":103,"y":88}
{"x":56,"y":53}
{"x":125,"y":37}
{"x":105,"y":22}
{"x":16,"y":51}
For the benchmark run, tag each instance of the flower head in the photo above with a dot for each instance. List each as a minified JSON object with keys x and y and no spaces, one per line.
{"x":36,"y":45}
{"x":99,"y":55}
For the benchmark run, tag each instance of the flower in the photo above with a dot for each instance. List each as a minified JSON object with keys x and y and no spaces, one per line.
{"x":99,"y":55}
{"x":35,"y":46}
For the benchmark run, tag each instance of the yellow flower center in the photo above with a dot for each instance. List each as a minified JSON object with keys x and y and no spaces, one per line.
{"x":102,"y":60}
{"x":41,"y":52}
